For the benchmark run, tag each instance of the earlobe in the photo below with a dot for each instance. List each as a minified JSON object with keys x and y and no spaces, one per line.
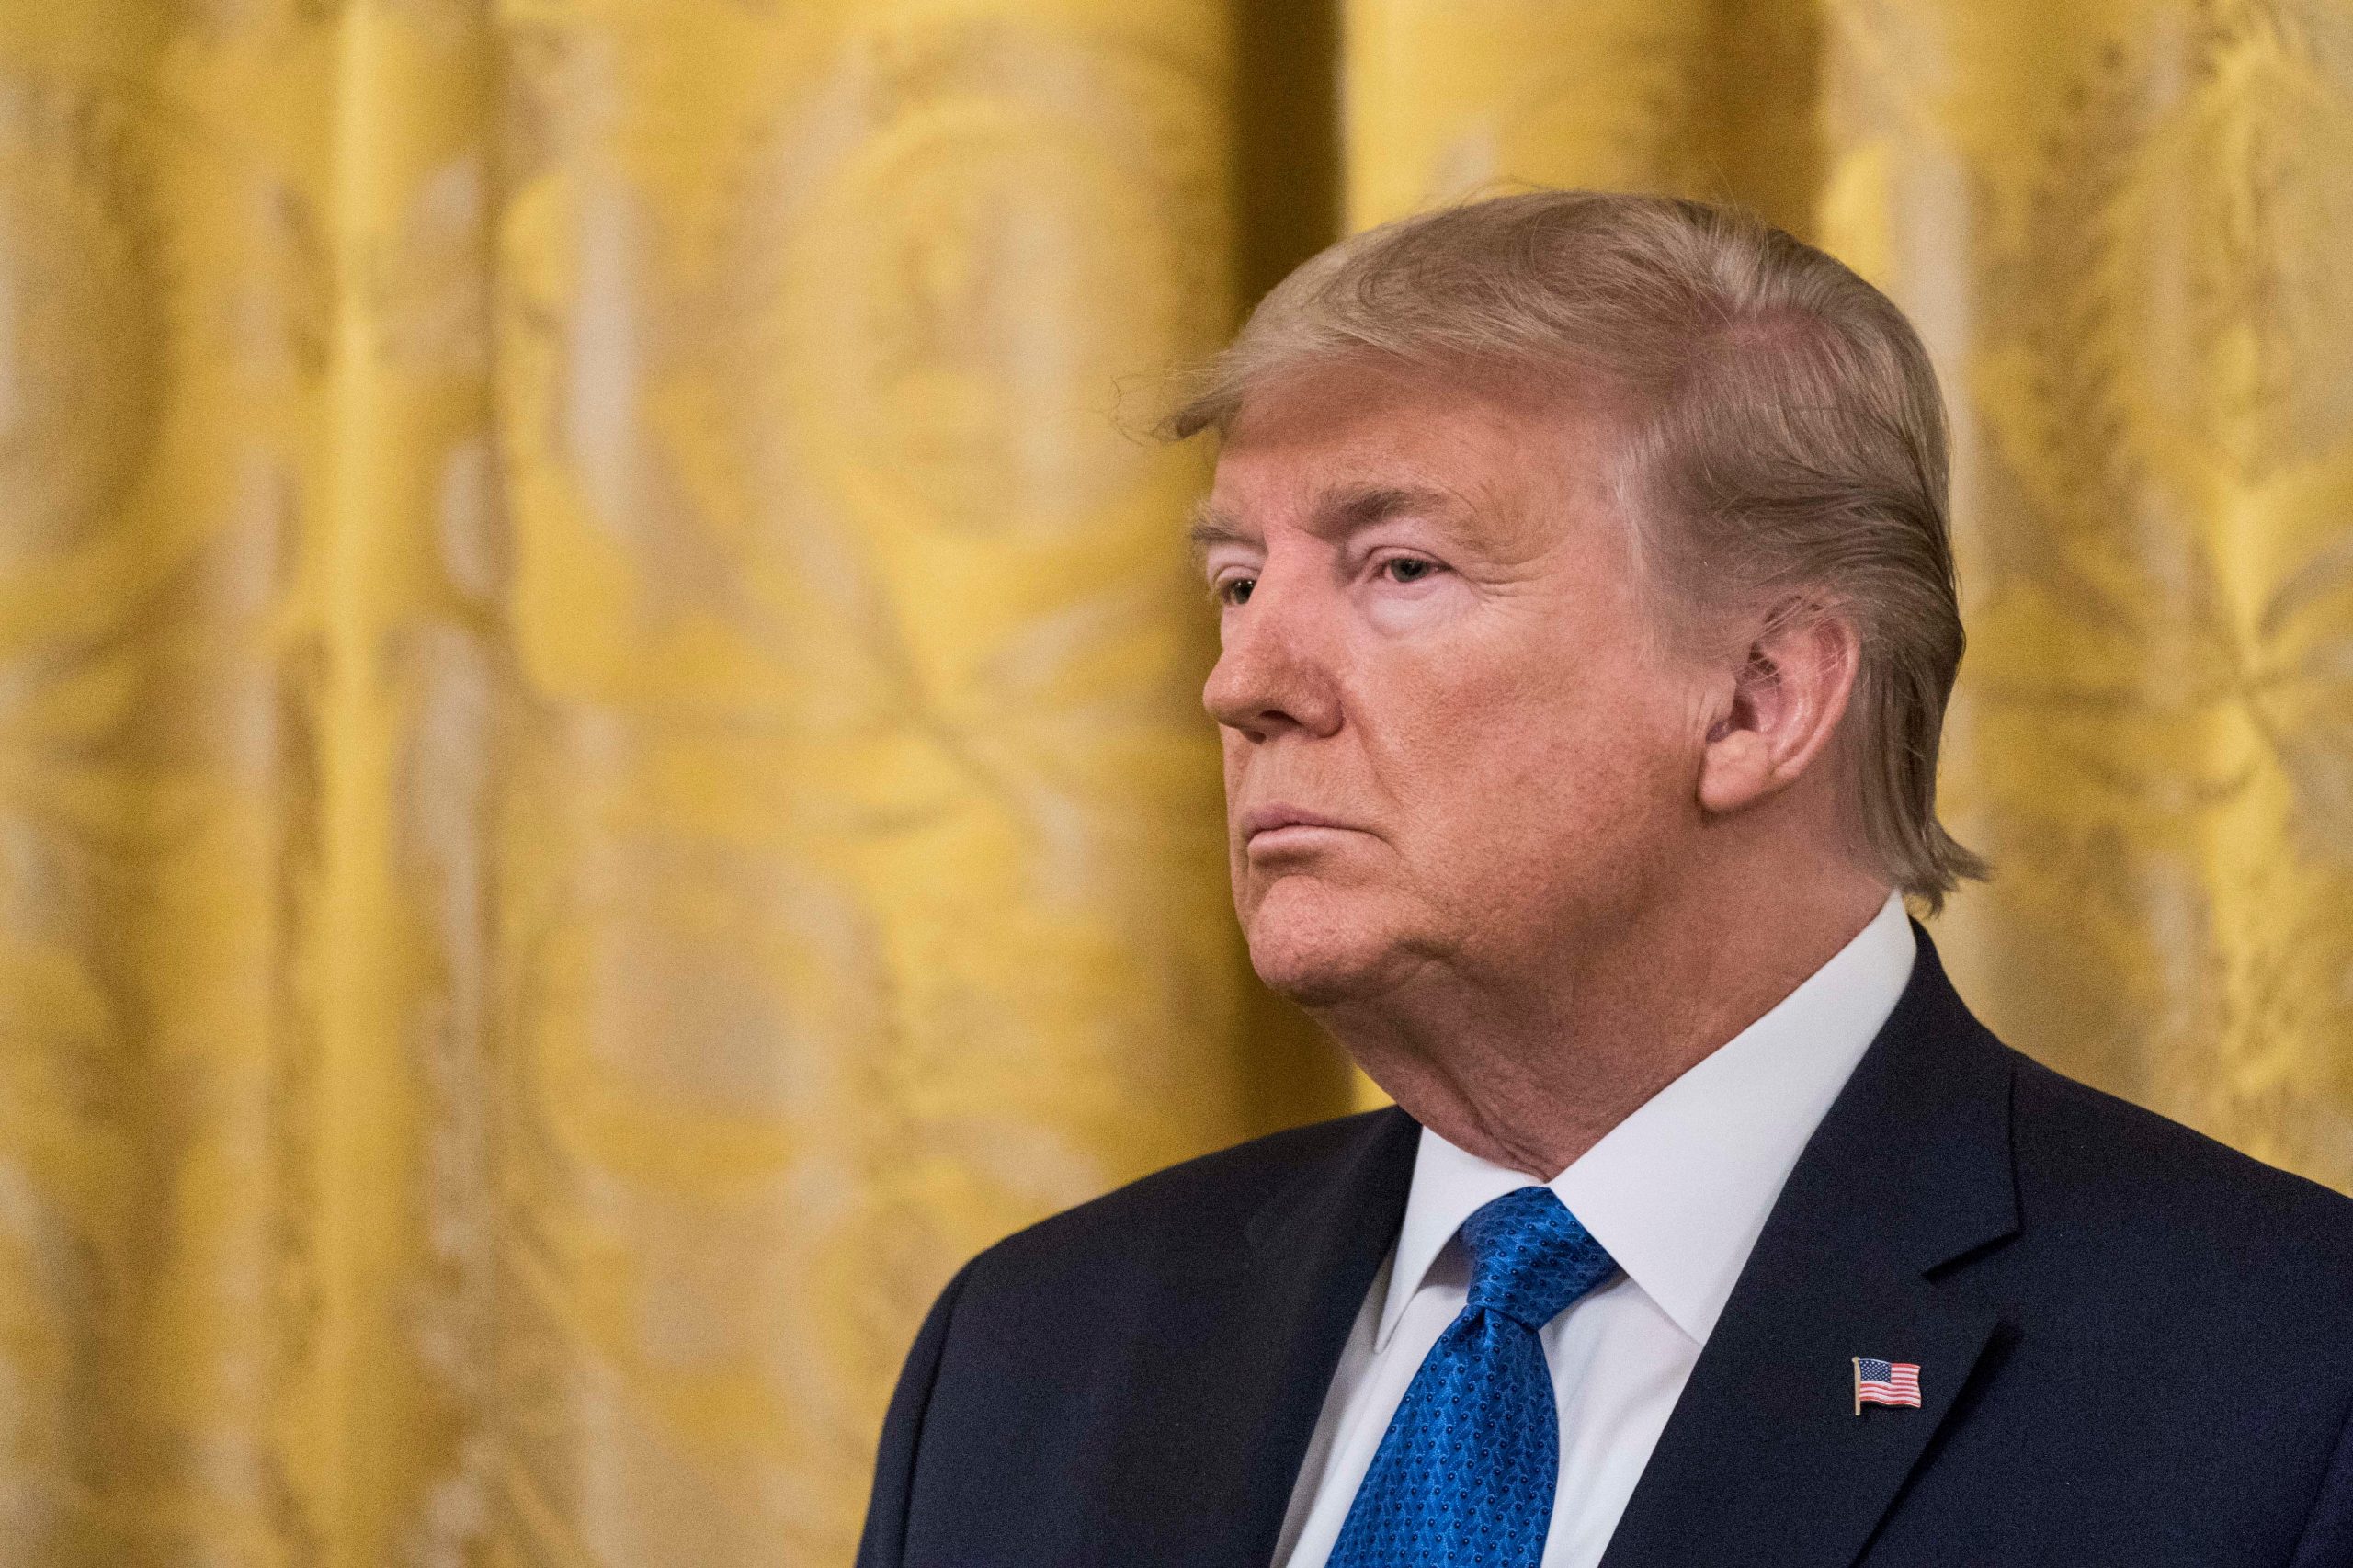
{"x":1736,"y":770}
{"x":1734,"y":750}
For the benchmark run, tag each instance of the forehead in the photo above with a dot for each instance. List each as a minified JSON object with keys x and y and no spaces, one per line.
{"x":1337,"y":448}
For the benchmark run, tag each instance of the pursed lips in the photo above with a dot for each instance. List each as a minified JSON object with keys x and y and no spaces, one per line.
{"x":1279,"y":819}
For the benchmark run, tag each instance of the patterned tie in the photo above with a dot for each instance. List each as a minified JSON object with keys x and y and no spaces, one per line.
{"x":1465,"y":1474}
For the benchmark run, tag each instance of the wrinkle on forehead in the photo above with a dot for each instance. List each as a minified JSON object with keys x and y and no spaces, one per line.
{"x":1506,"y":465}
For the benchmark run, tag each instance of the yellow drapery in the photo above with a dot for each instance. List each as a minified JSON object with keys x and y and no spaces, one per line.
{"x":602,"y":771}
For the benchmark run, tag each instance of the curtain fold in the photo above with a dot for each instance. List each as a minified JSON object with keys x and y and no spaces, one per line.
{"x":601,"y":773}
{"x":604,"y":767}
{"x":2116,"y":226}
{"x":1448,"y":101}
{"x":862,"y":891}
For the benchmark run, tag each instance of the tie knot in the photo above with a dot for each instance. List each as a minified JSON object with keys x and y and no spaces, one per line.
{"x":1529,"y":1258}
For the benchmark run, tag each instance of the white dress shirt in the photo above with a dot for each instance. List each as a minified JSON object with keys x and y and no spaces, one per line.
{"x":1678,"y":1192}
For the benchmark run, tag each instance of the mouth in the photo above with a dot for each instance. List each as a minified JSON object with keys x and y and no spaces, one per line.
{"x":1278,"y":825}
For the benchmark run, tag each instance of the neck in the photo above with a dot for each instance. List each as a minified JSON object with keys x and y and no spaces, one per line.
{"x":1529,"y":1068}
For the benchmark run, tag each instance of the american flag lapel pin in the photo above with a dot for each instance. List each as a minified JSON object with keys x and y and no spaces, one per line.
{"x":1885,"y":1382}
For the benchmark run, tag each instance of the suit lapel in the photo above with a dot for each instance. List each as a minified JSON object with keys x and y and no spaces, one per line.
{"x":1764,"y":1460}
{"x":1227,"y":1386}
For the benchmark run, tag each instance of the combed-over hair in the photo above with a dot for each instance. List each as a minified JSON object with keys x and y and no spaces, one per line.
{"x":1787,"y":436}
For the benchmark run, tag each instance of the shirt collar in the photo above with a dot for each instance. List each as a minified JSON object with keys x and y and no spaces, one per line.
{"x":1680,"y":1190}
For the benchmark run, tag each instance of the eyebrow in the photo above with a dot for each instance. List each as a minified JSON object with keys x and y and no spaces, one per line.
{"x":1210,"y":526}
{"x":1337,"y":516}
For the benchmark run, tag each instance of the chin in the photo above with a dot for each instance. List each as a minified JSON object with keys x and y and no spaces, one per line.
{"x":1319,"y":952}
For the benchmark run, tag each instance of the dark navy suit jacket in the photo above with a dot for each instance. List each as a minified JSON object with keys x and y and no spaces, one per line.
{"x":2135,"y":1347}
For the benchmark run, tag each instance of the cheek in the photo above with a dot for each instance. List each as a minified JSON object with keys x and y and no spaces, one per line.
{"x":1586,"y":765}
{"x":1235,"y":756}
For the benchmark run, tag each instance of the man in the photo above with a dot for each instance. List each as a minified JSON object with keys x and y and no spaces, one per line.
{"x":1587,"y":623}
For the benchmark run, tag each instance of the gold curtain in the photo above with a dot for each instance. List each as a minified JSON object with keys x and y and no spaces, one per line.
{"x":2120,"y":226}
{"x":602,"y":774}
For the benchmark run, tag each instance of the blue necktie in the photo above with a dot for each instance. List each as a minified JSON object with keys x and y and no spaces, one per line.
{"x":1465,"y":1474}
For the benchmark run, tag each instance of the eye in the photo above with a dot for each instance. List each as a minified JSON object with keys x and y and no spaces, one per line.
{"x":1235,"y":590}
{"x":1408,"y":569}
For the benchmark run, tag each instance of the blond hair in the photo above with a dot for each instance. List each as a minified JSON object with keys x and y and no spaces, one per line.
{"x":1786,"y":433}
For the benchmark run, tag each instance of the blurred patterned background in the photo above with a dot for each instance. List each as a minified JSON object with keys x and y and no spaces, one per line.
{"x":600,"y":765}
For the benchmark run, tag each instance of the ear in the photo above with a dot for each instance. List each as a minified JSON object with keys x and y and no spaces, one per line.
{"x":1779,"y":710}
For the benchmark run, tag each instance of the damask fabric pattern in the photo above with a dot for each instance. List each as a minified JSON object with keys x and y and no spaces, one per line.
{"x":2117,"y":225}
{"x":600,"y":766}
{"x":604,"y":775}
{"x":2152,"y":342}
{"x":1465,"y":1474}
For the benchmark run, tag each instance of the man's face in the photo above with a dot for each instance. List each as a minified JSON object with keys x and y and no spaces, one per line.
{"x":1451,"y":735}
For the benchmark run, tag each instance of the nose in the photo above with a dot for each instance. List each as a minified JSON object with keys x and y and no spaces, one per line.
{"x":1275,"y":670}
